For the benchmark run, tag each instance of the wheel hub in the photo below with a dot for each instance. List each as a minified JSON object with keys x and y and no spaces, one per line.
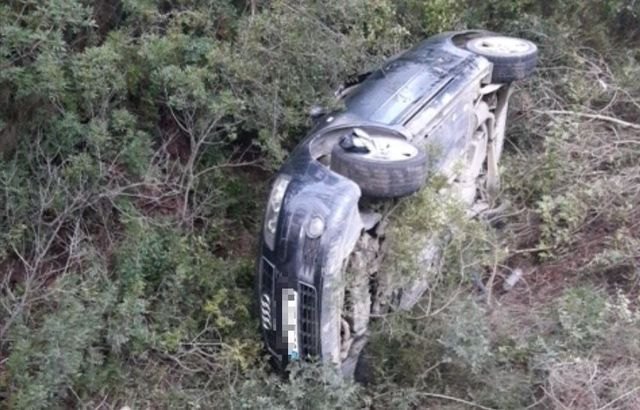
{"x":504,"y":45}
{"x":390,"y":149}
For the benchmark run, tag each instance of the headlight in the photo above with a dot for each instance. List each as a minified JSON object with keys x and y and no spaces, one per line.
{"x":273,"y":209}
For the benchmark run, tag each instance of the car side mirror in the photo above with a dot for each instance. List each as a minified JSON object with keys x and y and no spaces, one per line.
{"x":317,"y":111}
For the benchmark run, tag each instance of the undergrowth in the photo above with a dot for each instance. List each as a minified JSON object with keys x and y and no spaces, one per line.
{"x":137,"y":142}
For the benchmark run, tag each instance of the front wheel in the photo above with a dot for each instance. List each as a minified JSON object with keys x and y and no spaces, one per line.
{"x":382,"y":166}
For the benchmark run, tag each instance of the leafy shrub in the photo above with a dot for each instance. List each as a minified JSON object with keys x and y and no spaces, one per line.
{"x":466,"y":336}
{"x":582,"y":316}
{"x":127,"y":228}
{"x":60,"y":347}
{"x":309,"y":386}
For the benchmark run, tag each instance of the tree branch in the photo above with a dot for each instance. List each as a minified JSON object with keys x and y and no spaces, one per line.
{"x":591,"y":116}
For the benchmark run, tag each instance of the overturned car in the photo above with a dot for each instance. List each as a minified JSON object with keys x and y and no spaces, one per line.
{"x":451,"y":92}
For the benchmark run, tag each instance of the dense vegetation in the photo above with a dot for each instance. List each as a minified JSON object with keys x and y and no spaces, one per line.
{"x":138,"y":138}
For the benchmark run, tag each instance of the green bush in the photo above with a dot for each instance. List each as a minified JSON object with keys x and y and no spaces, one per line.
{"x":60,"y":346}
{"x":138,"y":138}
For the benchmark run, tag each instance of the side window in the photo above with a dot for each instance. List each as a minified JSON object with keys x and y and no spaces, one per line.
{"x":351,"y":84}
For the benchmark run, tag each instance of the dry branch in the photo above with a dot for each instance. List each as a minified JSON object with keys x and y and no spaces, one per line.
{"x":600,"y":117}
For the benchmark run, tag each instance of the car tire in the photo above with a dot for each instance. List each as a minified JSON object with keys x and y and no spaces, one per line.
{"x":513,"y":58}
{"x":381,"y":177}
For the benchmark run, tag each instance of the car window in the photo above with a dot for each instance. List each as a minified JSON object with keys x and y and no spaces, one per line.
{"x":391,"y":92}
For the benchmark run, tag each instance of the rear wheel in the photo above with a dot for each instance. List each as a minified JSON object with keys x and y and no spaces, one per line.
{"x":513,"y":58}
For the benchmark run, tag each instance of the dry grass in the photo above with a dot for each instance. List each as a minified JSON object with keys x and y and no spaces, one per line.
{"x":589,"y":384}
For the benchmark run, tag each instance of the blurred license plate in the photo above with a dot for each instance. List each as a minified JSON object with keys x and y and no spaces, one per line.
{"x":290,"y":322}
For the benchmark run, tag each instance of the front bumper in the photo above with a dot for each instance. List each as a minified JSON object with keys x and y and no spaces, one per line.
{"x":292,"y":275}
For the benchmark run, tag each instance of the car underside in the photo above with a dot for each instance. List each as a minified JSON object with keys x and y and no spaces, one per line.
{"x":436,"y":110}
